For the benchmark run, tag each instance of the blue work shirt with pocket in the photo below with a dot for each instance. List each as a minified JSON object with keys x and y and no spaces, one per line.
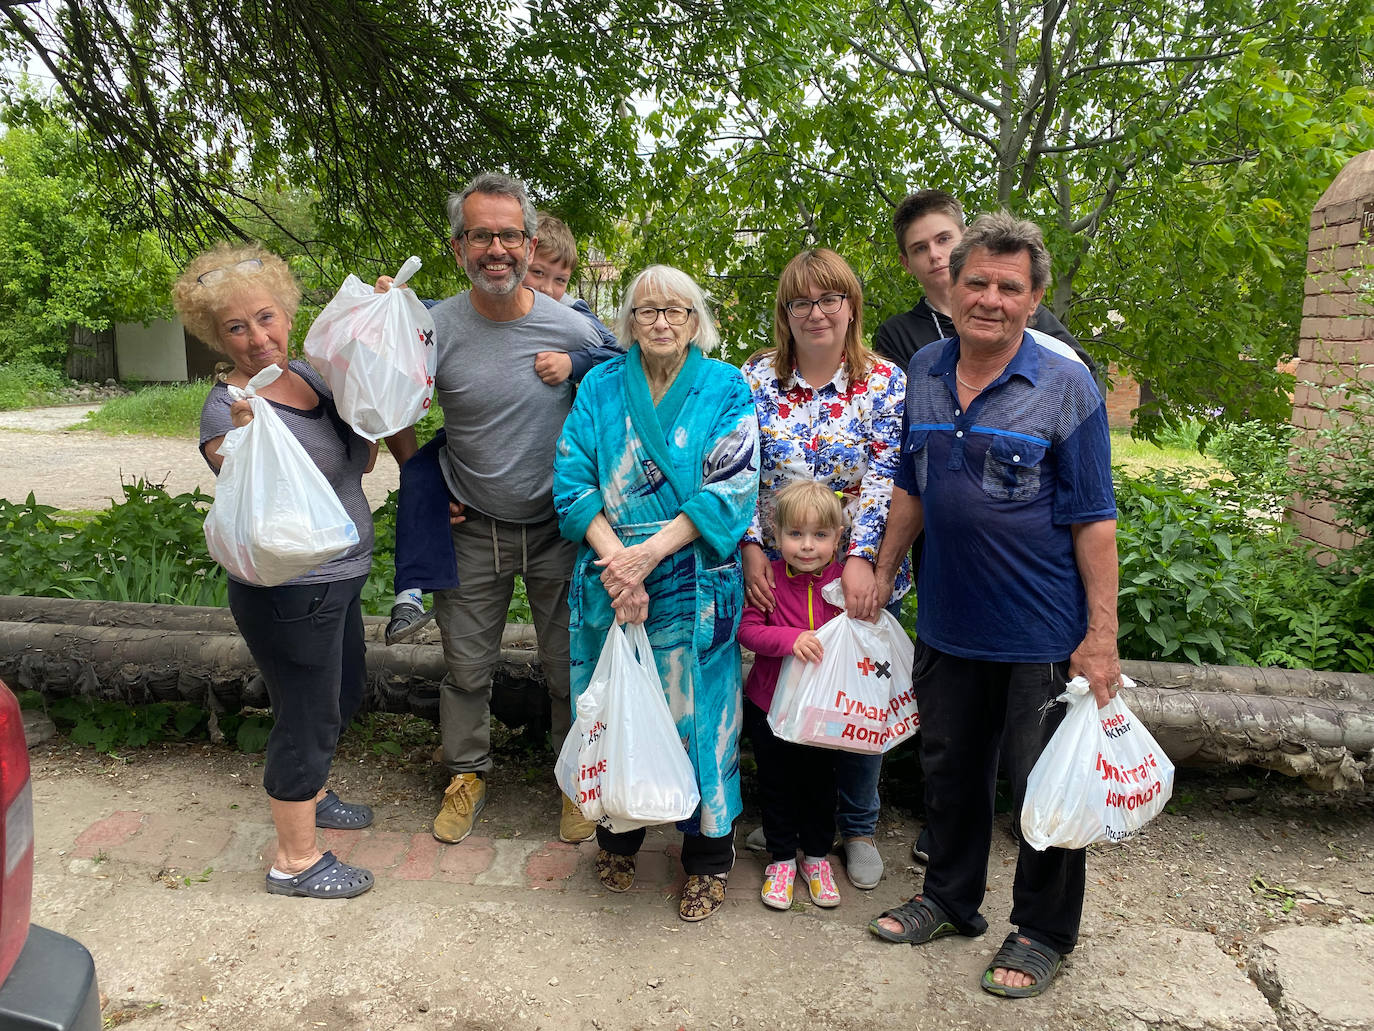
{"x":1001,"y":483}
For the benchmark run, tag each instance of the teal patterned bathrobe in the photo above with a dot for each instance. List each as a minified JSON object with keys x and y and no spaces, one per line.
{"x":697,"y":453}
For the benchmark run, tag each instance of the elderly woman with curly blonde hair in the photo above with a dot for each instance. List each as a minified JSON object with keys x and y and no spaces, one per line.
{"x":305,"y":635}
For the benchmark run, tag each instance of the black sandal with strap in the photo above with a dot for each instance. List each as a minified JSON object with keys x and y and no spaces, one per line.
{"x":1027,"y":956}
{"x":922,"y":921}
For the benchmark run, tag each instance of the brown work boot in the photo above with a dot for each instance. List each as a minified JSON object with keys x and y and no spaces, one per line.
{"x":464,"y":798}
{"x":572,"y":825}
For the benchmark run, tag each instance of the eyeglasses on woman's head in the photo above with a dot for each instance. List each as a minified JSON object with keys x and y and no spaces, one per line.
{"x":246,"y":267}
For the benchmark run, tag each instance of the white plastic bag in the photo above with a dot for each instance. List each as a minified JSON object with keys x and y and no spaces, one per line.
{"x":1101,"y":778}
{"x":631,"y":768}
{"x":275,"y":516}
{"x":580,"y":765}
{"x":376,"y":352}
{"x":858,"y":698}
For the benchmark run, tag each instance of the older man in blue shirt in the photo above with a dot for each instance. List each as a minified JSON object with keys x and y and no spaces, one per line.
{"x":1006,"y":465}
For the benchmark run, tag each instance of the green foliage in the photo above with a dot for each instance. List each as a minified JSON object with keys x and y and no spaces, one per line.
{"x":25,"y":384}
{"x":389,"y":734}
{"x":113,"y":727}
{"x":247,"y":730}
{"x":1211,"y":576}
{"x":1171,"y":152}
{"x":150,"y":548}
{"x":336,"y":127}
{"x":164,"y":410}
{"x":1256,"y":456}
{"x":1182,"y":553}
{"x":378,"y":593}
{"x":64,"y":261}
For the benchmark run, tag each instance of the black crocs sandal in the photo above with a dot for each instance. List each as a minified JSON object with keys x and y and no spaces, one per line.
{"x":327,"y":879}
{"x":335,"y":814}
{"x":1029,"y":957}
{"x":922,"y":921}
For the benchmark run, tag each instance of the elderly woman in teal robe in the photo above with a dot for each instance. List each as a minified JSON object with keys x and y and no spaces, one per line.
{"x":656,"y":476}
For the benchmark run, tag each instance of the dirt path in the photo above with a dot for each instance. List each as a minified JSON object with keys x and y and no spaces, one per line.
{"x":80,"y":470}
{"x":1230,"y":913}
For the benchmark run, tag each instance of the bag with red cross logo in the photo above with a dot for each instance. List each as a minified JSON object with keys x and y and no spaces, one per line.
{"x":376,"y":352}
{"x":858,"y":698}
{"x":1101,"y":777}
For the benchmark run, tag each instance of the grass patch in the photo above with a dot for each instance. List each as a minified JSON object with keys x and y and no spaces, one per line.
{"x":28,"y":384}
{"x":162,"y":410}
{"x":173,"y":410}
{"x":1140,"y":458}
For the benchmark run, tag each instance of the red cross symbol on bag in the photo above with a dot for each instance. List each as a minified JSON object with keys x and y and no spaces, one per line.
{"x":866,"y":666}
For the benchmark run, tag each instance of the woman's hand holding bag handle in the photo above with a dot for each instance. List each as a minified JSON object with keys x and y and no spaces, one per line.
{"x":275,"y":516}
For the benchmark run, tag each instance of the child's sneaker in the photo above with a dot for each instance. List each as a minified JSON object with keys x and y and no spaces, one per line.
{"x":821,"y":883}
{"x":777,"y":885}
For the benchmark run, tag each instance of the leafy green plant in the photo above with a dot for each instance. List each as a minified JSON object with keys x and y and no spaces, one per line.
{"x":65,"y":259}
{"x":112,"y":727}
{"x":150,"y":547}
{"x":378,"y":593}
{"x":389,"y":734}
{"x":1180,"y":552}
{"x":247,"y":730}
{"x":1214,"y":576}
{"x":1256,"y":455}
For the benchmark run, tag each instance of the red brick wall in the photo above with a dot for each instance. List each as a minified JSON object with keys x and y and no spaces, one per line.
{"x":1337,"y":323}
{"x":1123,"y":397}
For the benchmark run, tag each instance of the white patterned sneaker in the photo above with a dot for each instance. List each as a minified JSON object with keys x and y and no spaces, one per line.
{"x":820,"y":881}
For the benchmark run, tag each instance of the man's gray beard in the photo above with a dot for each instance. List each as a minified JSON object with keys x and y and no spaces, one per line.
{"x":480,"y":281}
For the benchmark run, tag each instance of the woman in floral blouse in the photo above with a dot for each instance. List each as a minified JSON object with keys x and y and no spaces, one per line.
{"x":829,"y":410}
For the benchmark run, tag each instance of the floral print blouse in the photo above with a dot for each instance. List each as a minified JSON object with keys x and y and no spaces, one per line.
{"x":844,"y":434}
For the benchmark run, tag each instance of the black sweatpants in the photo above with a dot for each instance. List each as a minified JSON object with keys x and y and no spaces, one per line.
{"x":965,"y":704}
{"x":796,"y":790}
{"x":307,"y":640}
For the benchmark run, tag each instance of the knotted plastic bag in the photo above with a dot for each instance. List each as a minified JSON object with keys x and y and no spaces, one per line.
{"x":376,"y":352}
{"x":275,"y":516}
{"x":630,"y":768}
{"x":858,"y":698}
{"x":1101,"y":778}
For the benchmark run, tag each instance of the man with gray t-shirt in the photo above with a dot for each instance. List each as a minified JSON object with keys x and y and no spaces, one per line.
{"x":502,"y":422}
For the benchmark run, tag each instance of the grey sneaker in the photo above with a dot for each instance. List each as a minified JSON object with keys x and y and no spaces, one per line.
{"x":405,"y":620}
{"x":756,"y":842}
{"x":862,"y":863}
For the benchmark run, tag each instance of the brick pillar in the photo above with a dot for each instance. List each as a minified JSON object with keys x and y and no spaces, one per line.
{"x":1337,"y":322}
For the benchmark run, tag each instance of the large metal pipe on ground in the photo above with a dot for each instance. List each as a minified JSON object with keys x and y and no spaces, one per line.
{"x":1310,"y":724}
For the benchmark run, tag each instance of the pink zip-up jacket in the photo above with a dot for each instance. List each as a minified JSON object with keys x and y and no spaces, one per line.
{"x":798,"y":607}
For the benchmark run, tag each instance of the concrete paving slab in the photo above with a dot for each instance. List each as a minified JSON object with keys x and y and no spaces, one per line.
{"x":1319,"y":977}
{"x":1169,"y":978}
